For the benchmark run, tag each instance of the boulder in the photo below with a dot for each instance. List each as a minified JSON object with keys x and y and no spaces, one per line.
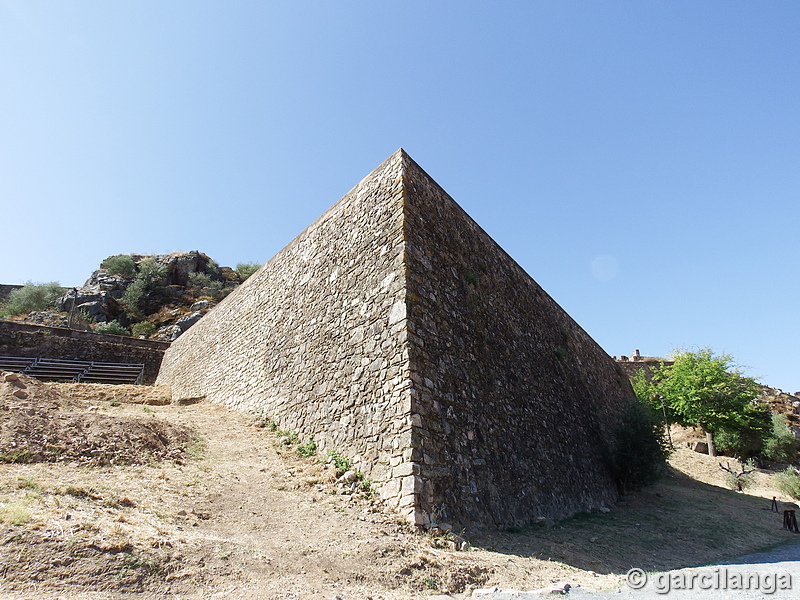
{"x":181,"y":264}
{"x":95,"y":309}
{"x":168,"y":333}
{"x":185,"y":322}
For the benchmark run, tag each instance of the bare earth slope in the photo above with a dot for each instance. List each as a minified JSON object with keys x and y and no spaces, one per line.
{"x":187,"y":502}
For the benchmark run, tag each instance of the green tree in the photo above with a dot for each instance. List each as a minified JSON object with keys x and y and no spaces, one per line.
{"x":705,"y":390}
{"x":120,"y":264}
{"x":781,"y":446}
{"x":150,"y":275}
{"x":151,"y":272}
{"x":30,"y":297}
{"x":244,"y":270}
{"x":748,"y":440}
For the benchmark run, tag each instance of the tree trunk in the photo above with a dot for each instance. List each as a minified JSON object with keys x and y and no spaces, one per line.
{"x":712,"y":449}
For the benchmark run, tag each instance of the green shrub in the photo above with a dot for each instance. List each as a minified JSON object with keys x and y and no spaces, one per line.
{"x":113,"y":328}
{"x":145,"y":328}
{"x":745,"y":439}
{"x":205,"y":285}
{"x":30,"y":297}
{"x":781,"y":446}
{"x":132,"y":298}
{"x":308,"y":449}
{"x":288,"y":437}
{"x":212,"y":268}
{"x":199,"y":280}
{"x":788,"y":482}
{"x":638,"y":448}
{"x":151,"y":272}
{"x":244,"y":270}
{"x":120,"y":264}
{"x":340,"y":463}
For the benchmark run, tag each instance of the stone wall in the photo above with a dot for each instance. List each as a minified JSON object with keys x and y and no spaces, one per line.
{"x":316,"y":338}
{"x":21,"y":339}
{"x":396,"y":331}
{"x":631,"y":366}
{"x":512,"y":400}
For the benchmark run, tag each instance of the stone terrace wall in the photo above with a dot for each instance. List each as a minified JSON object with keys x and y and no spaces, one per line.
{"x":646,"y":364}
{"x":22,"y":339}
{"x":512,"y":399}
{"x":316,"y":338}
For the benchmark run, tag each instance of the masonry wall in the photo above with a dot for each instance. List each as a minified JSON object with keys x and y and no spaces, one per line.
{"x":512,"y":400}
{"x":37,"y":341}
{"x":316,"y":338}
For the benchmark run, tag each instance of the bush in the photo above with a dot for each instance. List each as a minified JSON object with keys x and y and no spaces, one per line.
{"x":788,"y":482}
{"x":132,"y":298}
{"x":32,"y":296}
{"x":151,"y":272}
{"x":120,"y":264}
{"x":244,"y":270}
{"x":745,"y":439}
{"x":113,"y":328}
{"x":145,"y":328}
{"x":339,"y":462}
{"x":781,"y":446}
{"x":199,"y":280}
{"x":308,"y":449}
{"x":639,"y":449}
{"x":212,"y":268}
{"x":204,"y":285}
{"x":739,"y":444}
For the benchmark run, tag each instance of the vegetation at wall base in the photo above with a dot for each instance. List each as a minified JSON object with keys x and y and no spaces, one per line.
{"x":145,"y":328}
{"x":639,"y":448}
{"x":113,"y":328}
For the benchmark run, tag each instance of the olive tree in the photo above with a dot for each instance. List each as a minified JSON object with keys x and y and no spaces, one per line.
{"x":705,"y":390}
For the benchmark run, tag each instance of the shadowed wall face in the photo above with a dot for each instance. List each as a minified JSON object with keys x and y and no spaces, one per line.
{"x":514,"y":400}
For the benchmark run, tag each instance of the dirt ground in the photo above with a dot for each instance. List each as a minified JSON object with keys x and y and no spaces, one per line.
{"x":113,"y":492}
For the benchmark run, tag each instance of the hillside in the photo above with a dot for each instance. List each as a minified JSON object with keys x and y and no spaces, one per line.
{"x":218,"y":505}
{"x":155,"y":296}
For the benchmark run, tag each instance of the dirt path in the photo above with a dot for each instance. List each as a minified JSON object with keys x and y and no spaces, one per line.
{"x":240,"y":516}
{"x":209,"y":505}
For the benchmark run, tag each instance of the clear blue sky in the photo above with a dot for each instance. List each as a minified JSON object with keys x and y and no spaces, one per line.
{"x":641,"y":160}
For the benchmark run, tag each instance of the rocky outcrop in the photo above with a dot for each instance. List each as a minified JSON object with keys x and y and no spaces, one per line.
{"x":165,"y":302}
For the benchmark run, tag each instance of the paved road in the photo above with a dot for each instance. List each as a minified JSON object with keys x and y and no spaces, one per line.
{"x":774,"y":574}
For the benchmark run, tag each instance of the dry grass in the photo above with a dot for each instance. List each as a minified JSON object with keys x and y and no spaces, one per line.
{"x":676,"y":523}
{"x":242,"y":515}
